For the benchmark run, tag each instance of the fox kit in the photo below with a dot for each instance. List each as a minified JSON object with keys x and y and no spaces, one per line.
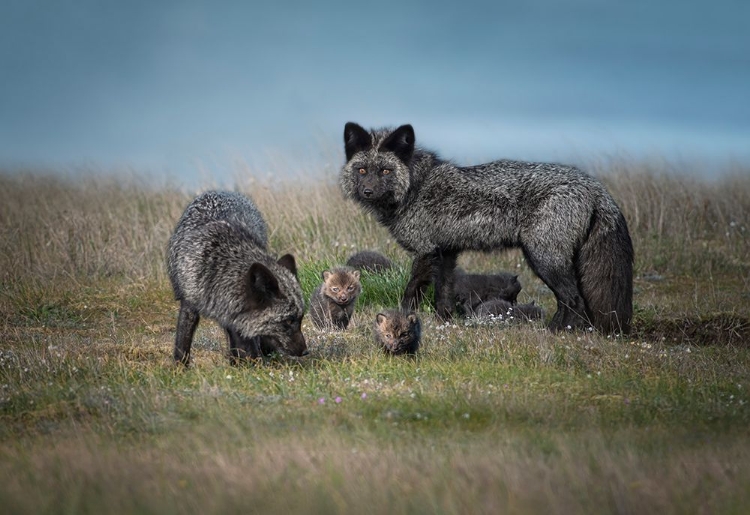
{"x":473,"y":289}
{"x":332,"y":302}
{"x":571,"y":231}
{"x":370,"y":261}
{"x":219,"y":268}
{"x":504,"y":309}
{"x":398,"y":332}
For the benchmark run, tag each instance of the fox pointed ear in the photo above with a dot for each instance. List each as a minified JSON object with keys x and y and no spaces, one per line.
{"x":261,"y":286}
{"x":356,"y":139}
{"x":380,"y":318}
{"x":287,"y":261}
{"x":401,"y":143}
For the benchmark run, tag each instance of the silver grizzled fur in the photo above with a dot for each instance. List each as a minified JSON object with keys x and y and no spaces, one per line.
{"x":398,"y":332}
{"x":219,"y":268}
{"x":370,"y":261}
{"x":473,"y":289}
{"x":569,"y":228}
{"x":332,"y":302}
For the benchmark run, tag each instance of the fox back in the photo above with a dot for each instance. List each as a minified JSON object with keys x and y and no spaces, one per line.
{"x":505,"y":310}
{"x":370,"y":261}
{"x":473,"y":289}
{"x":219,"y":268}
{"x":398,"y":332}
{"x":332,"y":302}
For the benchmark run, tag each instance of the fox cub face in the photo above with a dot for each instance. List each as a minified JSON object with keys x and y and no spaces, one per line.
{"x":341,"y":285}
{"x":398,"y":332}
{"x":377,"y":163}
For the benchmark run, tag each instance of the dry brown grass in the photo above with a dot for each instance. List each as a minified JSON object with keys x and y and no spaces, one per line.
{"x":489,"y":418}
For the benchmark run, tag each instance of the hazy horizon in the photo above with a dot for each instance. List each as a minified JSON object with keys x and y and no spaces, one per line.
{"x":176,"y":87}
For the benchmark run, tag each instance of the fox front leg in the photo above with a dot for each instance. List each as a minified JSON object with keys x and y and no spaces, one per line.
{"x":241,"y":349}
{"x":423,"y":270}
{"x":187,"y":321}
{"x":444,"y":281}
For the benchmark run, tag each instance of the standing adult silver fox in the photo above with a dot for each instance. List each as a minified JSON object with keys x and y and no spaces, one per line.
{"x":569,"y":228}
{"x":219,"y":268}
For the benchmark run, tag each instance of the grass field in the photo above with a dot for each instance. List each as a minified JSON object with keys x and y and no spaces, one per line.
{"x":490,"y":417}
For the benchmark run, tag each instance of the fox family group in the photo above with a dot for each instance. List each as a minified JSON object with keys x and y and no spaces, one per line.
{"x":569,"y":228}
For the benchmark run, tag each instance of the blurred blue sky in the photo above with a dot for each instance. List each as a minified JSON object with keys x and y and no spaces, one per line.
{"x":169,"y":87}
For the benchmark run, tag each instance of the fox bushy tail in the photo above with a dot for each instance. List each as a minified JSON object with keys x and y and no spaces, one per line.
{"x":605,"y":271}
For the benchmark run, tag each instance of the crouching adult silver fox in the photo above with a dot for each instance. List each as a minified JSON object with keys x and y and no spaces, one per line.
{"x":569,"y":228}
{"x":219,"y":268}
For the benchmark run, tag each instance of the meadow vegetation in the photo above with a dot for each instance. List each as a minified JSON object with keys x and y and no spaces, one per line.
{"x":491,"y":416}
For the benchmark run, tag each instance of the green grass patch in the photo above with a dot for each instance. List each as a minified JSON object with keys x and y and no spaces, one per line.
{"x":489,"y":417}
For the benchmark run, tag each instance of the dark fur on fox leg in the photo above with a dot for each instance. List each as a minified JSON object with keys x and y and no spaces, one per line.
{"x":444,"y":283}
{"x":436,"y":268}
{"x":242,"y":349}
{"x":422,"y":272}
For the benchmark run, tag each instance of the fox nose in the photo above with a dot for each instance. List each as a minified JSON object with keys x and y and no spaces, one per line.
{"x":367,"y":192}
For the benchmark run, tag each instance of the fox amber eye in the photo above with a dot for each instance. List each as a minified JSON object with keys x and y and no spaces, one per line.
{"x":386,"y":171}
{"x":362,"y":171}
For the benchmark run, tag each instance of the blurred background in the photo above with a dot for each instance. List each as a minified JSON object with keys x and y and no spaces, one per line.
{"x":183,"y":89}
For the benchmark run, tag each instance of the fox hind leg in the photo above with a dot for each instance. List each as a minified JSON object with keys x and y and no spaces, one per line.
{"x":559,"y":275}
